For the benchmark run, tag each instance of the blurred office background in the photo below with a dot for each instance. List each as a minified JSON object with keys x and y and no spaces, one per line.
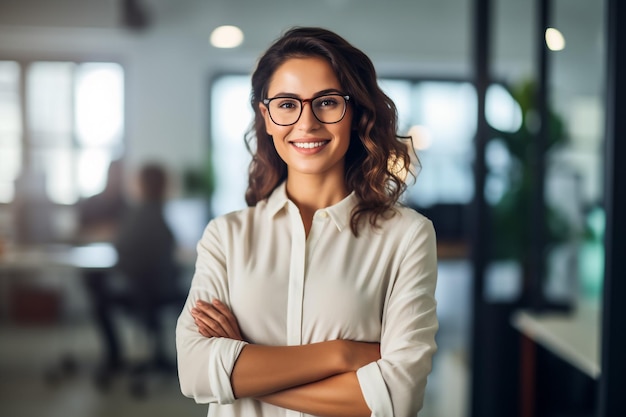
{"x":509,"y":121}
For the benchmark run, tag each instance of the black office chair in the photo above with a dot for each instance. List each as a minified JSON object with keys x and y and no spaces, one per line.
{"x":146,"y":305}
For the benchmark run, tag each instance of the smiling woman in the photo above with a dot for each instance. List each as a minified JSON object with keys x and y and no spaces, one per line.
{"x":311,"y":143}
{"x":350,"y":272}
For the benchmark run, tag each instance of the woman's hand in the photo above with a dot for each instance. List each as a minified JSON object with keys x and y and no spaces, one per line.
{"x":215,"y":320}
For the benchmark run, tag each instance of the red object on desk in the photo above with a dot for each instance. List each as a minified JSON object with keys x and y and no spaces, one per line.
{"x":33,"y":305}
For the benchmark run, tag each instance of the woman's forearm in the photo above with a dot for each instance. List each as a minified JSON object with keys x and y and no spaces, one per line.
{"x":262,"y":370}
{"x":336,"y":396}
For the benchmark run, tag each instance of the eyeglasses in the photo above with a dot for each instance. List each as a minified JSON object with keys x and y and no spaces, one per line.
{"x":327,"y":108}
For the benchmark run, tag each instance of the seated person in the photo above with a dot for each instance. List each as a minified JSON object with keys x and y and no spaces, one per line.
{"x":100,"y":214}
{"x":147,"y":266}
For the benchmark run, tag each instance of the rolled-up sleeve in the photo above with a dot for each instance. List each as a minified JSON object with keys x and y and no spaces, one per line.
{"x":395,"y":384}
{"x":205,"y":364}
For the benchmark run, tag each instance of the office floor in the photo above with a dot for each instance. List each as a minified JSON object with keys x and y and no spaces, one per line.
{"x":32,"y":383}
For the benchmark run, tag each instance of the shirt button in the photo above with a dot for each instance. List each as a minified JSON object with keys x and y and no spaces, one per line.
{"x":323,"y":214}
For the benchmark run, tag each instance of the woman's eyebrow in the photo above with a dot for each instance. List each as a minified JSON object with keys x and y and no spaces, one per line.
{"x":319,"y":93}
{"x":328,"y":91}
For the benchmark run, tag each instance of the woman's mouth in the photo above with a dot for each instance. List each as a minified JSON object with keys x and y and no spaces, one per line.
{"x":310,"y":145}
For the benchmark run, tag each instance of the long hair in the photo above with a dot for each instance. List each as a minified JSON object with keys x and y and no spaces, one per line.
{"x":377,"y":160}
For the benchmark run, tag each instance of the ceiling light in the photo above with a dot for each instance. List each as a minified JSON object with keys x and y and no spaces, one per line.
{"x":554,"y":39}
{"x":226,"y":37}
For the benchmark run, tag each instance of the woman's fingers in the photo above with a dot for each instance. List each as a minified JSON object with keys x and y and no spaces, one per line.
{"x":229,"y":322}
{"x":206,"y":324}
{"x":216,"y":320}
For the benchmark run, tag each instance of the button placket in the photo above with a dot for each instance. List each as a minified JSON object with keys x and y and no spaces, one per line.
{"x":296,"y":277}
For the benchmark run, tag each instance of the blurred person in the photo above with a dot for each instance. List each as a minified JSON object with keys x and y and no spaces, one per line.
{"x":32,"y":210}
{"x":318,"y":297}
{"x":148,"y":270}
{"x":99,"y":218}
{"x":99,"y":215}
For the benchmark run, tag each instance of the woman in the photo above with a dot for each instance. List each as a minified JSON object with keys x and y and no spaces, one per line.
{"x":319,"y":297}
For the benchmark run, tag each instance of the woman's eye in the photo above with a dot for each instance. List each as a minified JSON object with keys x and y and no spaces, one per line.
{"x":326,"y":102}
{"x":287,"y":104}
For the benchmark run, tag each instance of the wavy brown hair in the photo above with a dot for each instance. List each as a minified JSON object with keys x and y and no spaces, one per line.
{"x":376,"y":158}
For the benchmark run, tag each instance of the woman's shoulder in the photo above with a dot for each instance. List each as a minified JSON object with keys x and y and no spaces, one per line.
{"x":405,"y":224}
{"x":407,"y":216}
{"x":230,"y":217}
{"x":237,"y":219}
{"x":411,"y":229}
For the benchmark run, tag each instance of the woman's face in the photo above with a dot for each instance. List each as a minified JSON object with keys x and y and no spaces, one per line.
{"x":309,"y":146}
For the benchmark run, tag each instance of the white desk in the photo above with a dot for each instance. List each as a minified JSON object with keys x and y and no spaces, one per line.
{"x":92,"y":256}
{"x":100,"y":256}
{"x":16,"y":261}
{"x":574,"y":337}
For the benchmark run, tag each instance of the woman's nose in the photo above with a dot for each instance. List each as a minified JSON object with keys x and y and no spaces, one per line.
{"x":307,"y":118}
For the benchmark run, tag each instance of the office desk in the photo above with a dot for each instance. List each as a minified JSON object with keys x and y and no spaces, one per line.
{"x":573,"y":337}
{"x":20,"y":263}
{"x":33,"y":258}
{"x":93,"y":257}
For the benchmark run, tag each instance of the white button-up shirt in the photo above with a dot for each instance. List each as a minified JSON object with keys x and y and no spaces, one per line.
{"x":289,"y":289}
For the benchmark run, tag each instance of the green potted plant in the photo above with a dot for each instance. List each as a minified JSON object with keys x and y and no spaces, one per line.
{"x":512,"y":223}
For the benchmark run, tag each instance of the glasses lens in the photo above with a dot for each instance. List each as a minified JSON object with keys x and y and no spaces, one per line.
{"x":329,"y":109}
{"x":285,"y":110}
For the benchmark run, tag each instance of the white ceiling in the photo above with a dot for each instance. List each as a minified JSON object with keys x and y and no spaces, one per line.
{"x":393,"y":26}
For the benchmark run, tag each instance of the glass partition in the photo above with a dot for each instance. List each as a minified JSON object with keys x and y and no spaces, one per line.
{"x":574,"y":180}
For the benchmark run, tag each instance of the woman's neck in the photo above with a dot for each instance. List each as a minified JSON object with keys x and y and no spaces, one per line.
{"x":311,"y":193}
{"x":314,"y":192}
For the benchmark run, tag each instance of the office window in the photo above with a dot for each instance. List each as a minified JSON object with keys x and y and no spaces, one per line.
{"x":231,"y":116}
{"x":10,"y":129}
{"x":73,"y":126}
{"x":441,"y":118}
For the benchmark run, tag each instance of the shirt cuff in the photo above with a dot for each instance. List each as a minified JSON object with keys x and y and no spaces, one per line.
{"x":374,"y":390}
{"x":222,"y":358}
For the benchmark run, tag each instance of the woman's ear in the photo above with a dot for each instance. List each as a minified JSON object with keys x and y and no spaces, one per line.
{"x":266,"y":118}
{"x":263,"y":109}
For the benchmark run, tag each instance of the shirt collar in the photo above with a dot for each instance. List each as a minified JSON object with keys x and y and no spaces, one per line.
{"x":278,"y":199}
{"x":339,"y":213}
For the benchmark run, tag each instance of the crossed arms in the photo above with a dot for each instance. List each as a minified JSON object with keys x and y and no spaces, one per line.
{"x":318,"y":378}
{"x":331,"y":378}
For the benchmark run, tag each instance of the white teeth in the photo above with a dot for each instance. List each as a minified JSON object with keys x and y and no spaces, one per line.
{"x":308,"y":145}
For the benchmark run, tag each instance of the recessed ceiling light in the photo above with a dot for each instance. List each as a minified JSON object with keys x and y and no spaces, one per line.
{"x":554,"y":39}
{"x":226,"y":37}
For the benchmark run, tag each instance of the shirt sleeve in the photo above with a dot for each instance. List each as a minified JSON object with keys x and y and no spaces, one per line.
{"x":205,"y":364}
{"x":395,"y":384}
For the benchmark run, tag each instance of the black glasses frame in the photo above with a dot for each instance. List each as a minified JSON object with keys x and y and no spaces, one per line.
{"x":346,"y":99}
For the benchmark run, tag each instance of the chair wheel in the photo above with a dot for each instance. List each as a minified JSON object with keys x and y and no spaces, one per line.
{"x":69,"y":365}
{"x":53,"y":376}
{"x":139,"y":388}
